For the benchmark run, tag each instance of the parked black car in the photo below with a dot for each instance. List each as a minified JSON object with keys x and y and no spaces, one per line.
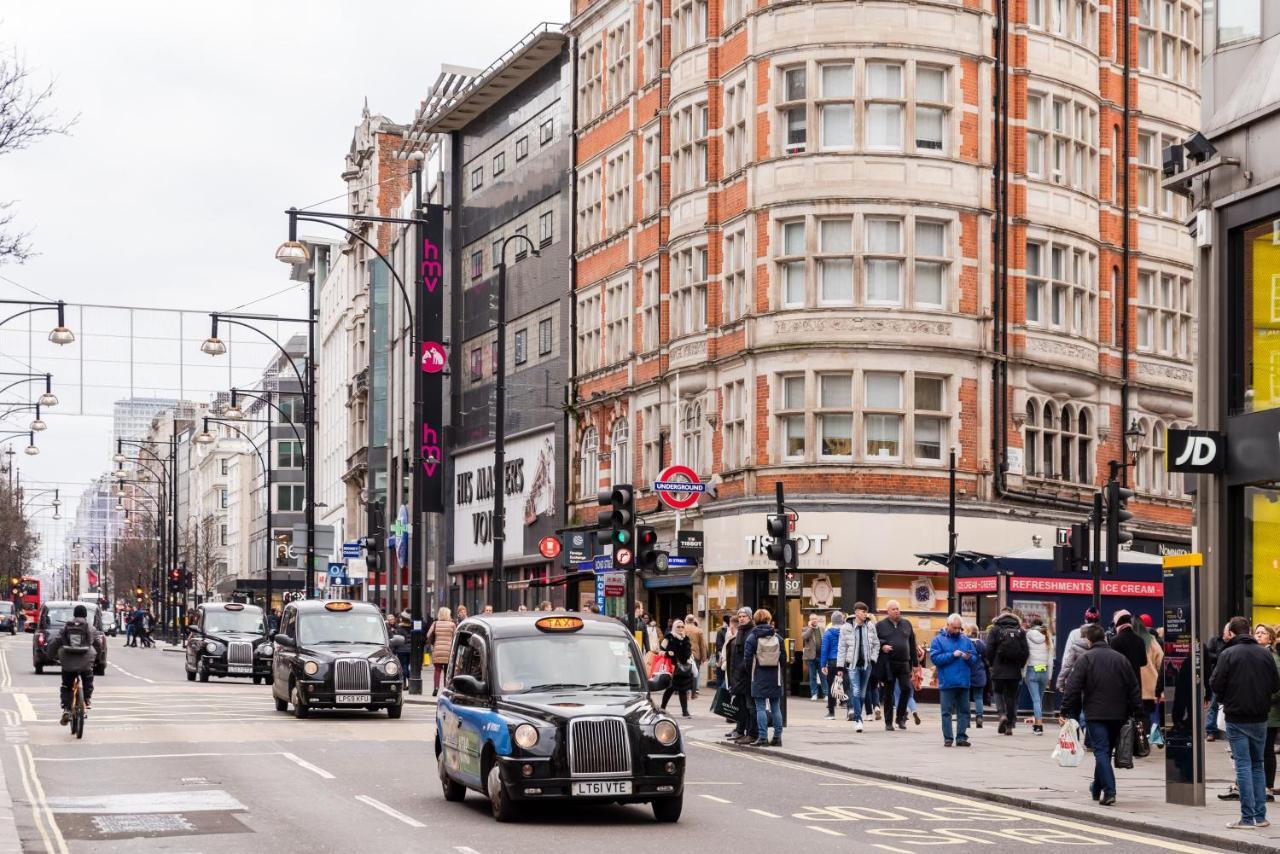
{"x":53,"y":616}
{"x":555,"y":707}
{"x":228,"y":639}
{"x":335,"y":654}
{"x":8,"y":618}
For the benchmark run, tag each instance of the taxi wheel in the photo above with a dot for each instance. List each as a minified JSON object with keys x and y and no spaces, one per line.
{"x":501,"y":806}
{"x":203,"y":671}
{"x":39,"y":669}
{"x":668,"y":810}
{"x":257,"y":680}
{"x":300,"y":709}
{"x":395,"y":711}
{"x":281,"y":705}
{"x":453,"y":791}
{"x":191,"y":676}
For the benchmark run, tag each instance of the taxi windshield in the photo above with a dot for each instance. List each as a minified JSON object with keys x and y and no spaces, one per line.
{"x":341,"y":627}
{"x":216,"y":622}
{"x":571,"y":662}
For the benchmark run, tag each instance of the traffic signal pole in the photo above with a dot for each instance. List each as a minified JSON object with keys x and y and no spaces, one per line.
{"x":1095,"y":565}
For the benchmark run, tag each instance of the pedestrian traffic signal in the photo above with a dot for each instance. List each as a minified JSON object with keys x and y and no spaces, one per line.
{"x":781,"y":549}
{"x":620,"y":519}
{"x":647,"y":554}
{"x":1117,"y":515}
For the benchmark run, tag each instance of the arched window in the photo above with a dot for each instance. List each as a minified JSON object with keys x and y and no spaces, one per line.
{"x":589,"y":464}
{"x":1066,"y":427}
{"x":1058,"y":443}
{"x":691,"y":436}
{"x":620,"y":453}
{"x":1084,"y":448}
{"x":1046,"y":470}
{"x":1031,"y":439}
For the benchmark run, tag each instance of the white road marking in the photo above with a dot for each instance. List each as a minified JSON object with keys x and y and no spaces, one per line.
{"x":31,"y":799}
{"x":25,"y":709}
{"x":131,"y":675}
{"x":142,"y":756}
{"x":302,"y":763}
{"x":891,"y":848}
{"x":462,"y":849}
{"x":6,"y":678}
{"x":765,"y":814}
{"x":717,"y":800}
{"x":825,"y":830}
{"x":41,"y":803}
{"x":711,"y":783}
{"x":394,"y":813}
{"x":206,"y":800}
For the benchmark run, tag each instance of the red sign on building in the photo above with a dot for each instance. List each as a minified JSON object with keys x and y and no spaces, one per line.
{"x":975,"y":585}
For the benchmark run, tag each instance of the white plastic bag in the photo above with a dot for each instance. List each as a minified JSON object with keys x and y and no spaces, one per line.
{"x":1070,"y":749}
{"x":1222,"y":720}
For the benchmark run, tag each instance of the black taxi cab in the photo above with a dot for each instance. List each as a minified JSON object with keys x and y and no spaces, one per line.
{"x":554,"y":707}
{"x":228,"y":639}
{"x":335,"y":654}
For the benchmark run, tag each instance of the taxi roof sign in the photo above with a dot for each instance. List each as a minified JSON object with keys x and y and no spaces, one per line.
{"x":337,"y":606}
{"x":559,"y":624}
{"x":234,"y":606}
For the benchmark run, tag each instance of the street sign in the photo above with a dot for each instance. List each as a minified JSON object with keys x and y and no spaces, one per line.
{"x":549,"y":547}
{"x":679,"y":487}
{"x":335,"y":571}
{"x":351,"y":550}
{"x":602,"y":563}
{"x":680,"y":562}
{"x":624,"y":557}
{"x":579,"y":547}
{"x":690,"y":544}
{"x":1062,"y":536}
{"x":357,"y":568}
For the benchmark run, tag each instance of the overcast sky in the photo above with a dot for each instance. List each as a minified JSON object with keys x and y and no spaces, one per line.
{"x":198,"y":125}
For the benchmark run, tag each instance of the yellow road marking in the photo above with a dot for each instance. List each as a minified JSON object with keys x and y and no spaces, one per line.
{"x":1012,"y":812}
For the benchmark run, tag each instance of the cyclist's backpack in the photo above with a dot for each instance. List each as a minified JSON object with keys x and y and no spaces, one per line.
{"x":76,"y":637}
{"x":1009,"y":649}
{"x":768,"y":651}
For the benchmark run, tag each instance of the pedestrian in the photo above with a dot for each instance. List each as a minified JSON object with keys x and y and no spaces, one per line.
{"x":1127,"y":643}
{"x":1266,"y":635}
{"x":1039,"y":670}
{"x":811,"y":644}
{"x":128,"y":628}
{"x":1007,"y":654}
{"x":722,"y":638}
{"x":1244,"y":680}
{"x":977,"y":673}
{"x":462,"y":613}
{"x":678,"y":647}
{"x":738,"y":665}
{"x":856,"y":656}
{"x":897,"y":638}
{"x":951,"y":651}
{"x":698,"y":641}
{"x":403,"y":628}
{"x":522,"y":608}
{"x":765,"y":654}
{"x":488,"y":609}
{"x":1104,"y":687}
{"x":440,"y":640}
{"x":1152,"y":688}
{"x":830,"y":654}
{"x":545,"y":605}
{"x":652,"y":632}
{"x":273,"y":622}
{"x":1212,"y":649}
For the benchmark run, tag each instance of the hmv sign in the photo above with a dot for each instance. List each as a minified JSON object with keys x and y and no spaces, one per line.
{"x":1197,"y":451}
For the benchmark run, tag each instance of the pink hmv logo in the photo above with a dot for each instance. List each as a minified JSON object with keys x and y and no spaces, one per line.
{"x":433,"y":357}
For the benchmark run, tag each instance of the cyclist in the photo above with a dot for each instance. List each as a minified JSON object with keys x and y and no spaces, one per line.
{"x":76,"y":648}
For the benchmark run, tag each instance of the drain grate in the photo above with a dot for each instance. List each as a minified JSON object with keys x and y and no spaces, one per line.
{"x":141,"y":823}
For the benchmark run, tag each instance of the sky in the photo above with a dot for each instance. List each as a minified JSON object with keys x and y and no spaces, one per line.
{"x":196,"y":127}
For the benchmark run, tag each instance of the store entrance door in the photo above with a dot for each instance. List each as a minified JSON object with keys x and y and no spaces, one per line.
{"x":673,"y":603}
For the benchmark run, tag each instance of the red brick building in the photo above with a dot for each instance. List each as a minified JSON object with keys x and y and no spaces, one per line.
{"x":789,"y":267}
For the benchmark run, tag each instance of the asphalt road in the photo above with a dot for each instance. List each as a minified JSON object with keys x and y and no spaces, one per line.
{"x":172,"y":766}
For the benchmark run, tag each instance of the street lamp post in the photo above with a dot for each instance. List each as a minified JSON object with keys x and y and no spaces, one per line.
{"x":497,"y":583}
{"x":170,"y":470}
{"x":205,"y":438}
{"x":60,"y":334}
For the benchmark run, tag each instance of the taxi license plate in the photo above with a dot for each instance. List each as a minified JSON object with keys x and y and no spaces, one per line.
{"x":354,"y":698}
{"x":240,"y":668}
{"x":597,"y":788}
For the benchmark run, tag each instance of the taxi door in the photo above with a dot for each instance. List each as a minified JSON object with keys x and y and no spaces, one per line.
{"x":282,"y":661}
{"x":462,"y":716}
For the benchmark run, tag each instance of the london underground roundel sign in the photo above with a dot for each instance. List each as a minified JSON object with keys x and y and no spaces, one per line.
{"x":679,"y":487}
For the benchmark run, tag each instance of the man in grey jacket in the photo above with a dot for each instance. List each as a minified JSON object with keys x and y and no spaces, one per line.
{"x":76,"y":648}
{"x":856,"y":654}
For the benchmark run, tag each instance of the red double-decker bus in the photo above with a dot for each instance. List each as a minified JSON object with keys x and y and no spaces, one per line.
{"x":29,"y":598}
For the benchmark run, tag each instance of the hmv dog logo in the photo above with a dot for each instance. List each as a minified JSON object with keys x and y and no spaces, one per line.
{"x":1197,"y":451}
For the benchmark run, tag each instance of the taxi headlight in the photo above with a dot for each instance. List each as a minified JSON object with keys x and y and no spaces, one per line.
{"x":526,"y":736}
{"x":666,"y":732}
{"x":311,"y":668}
{"x":211,"y":646}
{"x":266,"y":649}
{"x":391,"y":668}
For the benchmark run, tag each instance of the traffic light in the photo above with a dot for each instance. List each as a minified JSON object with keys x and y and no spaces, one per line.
{"x":1079,"y":545}
{"x":137,"y":591}
{"x":175,"y":580}
{"x":647,"y":554}
{"x":372,"y":556}
{"x":781,"y":548}
{"x":620,"y":518}
{"x":1117,"y":515}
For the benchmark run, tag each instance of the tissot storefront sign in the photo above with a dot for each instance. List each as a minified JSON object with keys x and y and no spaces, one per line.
{"x":529,"y":486}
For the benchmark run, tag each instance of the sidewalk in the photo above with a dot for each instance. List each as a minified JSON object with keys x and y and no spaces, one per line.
{"x":1017,"y":770}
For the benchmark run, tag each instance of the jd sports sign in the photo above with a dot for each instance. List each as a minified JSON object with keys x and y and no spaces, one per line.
{"x":1197,"y":451}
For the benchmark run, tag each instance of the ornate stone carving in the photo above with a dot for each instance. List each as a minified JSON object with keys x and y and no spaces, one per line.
{"x":1165,"y":372}
{"x":688,"y":350}
{"x":860,"y":325}
{"x":1063,"y":349}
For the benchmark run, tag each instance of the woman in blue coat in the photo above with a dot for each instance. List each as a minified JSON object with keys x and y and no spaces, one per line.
{"x":766,"y":655}
{"x":978,"y":673}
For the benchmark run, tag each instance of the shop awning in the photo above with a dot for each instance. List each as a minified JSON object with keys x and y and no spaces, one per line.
{"x":657,"y":582}
{"x":552,"y":581}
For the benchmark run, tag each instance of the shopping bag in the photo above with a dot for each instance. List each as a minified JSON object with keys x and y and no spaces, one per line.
{"x":1141,"y":743}
{"x":1222,"y":719}
{"x":837,"y":689}
{"x":1070,"y":748}
{"x":719,"y":701}
{"x":661,"y":664}
{"x":1157,"y":737}
{"x":1124,"y":745}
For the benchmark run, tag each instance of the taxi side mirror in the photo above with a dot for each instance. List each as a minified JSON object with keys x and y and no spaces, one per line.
{"x":660,"y":682}
{"x":468,"y":685}
{"x":283,"y":640}
{"x":396,"y":642}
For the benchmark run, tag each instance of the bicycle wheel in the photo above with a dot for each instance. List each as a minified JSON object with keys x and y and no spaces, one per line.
{"x":78,"y":722}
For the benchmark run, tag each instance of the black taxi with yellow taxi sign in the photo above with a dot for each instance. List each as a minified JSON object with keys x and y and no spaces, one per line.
{"x":540,"y":707}
{"x":335,"y":655}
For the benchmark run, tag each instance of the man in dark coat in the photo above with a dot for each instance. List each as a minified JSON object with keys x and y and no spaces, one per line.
{"x":1007,"y":654}
{"x":898,"y":652}
{"x":739,"y":675}
{"x":76,"y":647}
{"x":1127,"y":643}
{"x":1104,"y":686}
{"x":1244,"y":679}
{"x":1212,"y":649}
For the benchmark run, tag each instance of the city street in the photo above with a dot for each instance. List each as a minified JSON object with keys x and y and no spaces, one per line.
{"x":168,"y":765}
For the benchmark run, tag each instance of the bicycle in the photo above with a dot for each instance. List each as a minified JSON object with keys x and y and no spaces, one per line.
{"x":77,"y":708}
